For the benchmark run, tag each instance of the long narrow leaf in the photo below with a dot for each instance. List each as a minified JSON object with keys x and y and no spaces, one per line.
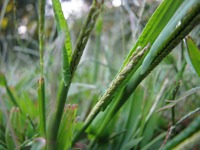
{"x":67,"y":50}
{"x":194,"y":55}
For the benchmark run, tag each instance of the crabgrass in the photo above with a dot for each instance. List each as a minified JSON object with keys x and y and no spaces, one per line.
{"x":92,"y":92}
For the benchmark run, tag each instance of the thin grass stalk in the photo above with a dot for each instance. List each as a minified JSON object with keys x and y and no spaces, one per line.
{"x":173,"y":96}
{"x":13,"y":99}
{"x":8,"y":90}
{"x":31,"y":122}
{"x":141,"y":11}
{"x":187,"y":116}
{"x":41,"y":4}
{"x":188,"y":23}
{"x":41,"y":81}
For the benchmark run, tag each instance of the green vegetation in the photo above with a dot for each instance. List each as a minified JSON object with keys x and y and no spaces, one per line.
{"x":71,"y":88}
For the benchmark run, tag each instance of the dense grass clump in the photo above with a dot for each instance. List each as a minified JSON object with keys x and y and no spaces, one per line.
{"x":66,"y":86}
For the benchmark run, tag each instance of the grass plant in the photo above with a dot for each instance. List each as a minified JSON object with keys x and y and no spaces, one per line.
{"x":139,"y":107}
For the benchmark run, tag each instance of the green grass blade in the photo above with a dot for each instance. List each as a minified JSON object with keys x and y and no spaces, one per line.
{"x":194,"y":55}
{"x":3,"y":83}
{"x":12,"y":97}
{"x":67,"y":50}
{"x":41,"y":100}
